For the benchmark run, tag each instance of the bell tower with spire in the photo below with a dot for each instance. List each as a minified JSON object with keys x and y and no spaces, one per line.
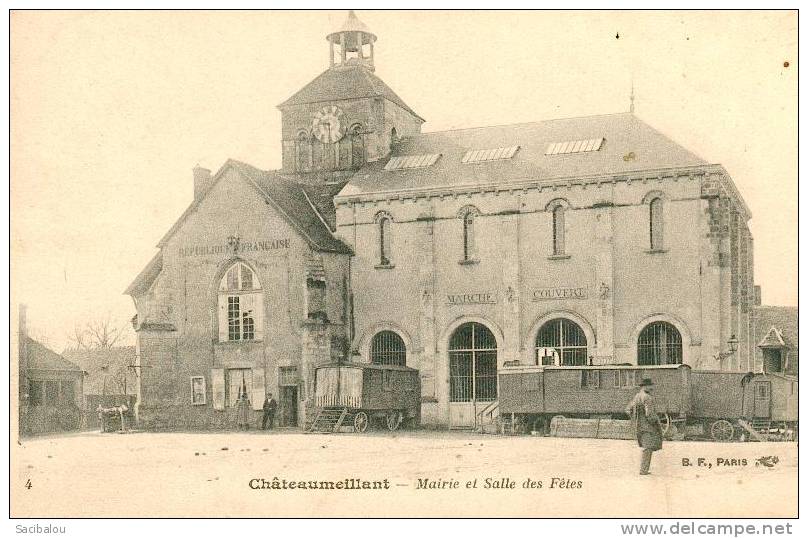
{"x":352,"y":43}
{"x":347,"y":116}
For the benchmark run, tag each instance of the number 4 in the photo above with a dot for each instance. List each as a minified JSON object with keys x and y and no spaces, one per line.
{"x":28,"y":484}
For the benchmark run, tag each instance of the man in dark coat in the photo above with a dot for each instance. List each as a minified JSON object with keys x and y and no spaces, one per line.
{"x":269,"y":412}
{"x":649,"y":428}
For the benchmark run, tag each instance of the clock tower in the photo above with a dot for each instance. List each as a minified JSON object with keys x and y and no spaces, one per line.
{"x":345,"y":117}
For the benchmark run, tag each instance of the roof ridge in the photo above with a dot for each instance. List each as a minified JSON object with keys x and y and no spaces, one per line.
{"x":529,"y":123}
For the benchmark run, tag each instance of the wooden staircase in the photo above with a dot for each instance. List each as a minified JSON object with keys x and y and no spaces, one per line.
{"x":757,"y":429}
{"x":327,"y":420}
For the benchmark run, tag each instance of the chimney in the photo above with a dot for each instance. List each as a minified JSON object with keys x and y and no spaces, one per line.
{"x":23,"y":329}
{"x":202,"y":181}
{"x":757,"y":296}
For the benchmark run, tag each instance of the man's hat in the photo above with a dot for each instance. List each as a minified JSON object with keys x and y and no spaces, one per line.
{"x":646,"y":382}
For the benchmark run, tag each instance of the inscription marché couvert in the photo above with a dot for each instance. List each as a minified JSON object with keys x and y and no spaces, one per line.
{"x":240,"y":246}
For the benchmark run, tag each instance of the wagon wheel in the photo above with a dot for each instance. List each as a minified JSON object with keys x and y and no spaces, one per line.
{"x":393,"y":419}
{"x":360,"y":422}
{"x":722,"y":430}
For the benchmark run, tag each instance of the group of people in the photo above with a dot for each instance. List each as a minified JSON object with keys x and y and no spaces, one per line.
{"x":243,"y":407}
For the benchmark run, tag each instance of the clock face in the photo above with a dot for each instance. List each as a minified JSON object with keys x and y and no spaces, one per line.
{"x":328,"y":125}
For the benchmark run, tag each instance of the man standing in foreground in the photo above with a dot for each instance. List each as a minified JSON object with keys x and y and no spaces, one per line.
{"x":649,"y":428}
{"x":269,"y":412}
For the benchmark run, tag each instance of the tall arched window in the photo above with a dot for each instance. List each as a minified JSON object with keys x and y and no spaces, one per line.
{"x":302,"y":152}
{"x":659,"y":343}
{"x":317,"y":149}
{"x":384,"y":222}
{"x":655,"y":210}
{"x":468,"y":236}
{"x":241,"y":305}
{"x":566,"y":338}
{"x":468,"y":216}
{"x":388,"y":348}
{"x":558,"y":230}
{"x":357,"y":146}
{"x":472,"y":364}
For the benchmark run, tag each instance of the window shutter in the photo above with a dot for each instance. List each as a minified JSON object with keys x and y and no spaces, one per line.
{"x":258,"y":389}
{"x":217,"y":388}
{"x":256,"y":302}
{"x":222,"y":318}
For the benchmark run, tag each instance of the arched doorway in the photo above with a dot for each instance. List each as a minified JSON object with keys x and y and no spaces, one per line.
{"x":472,"y":373}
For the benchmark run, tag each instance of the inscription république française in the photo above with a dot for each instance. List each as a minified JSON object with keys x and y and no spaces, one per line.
{"x":243,"y":246}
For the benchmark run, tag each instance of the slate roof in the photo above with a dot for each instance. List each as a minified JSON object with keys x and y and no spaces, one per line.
{"x":39,"y":357}
{"x":291,"y":199}
{"x":630,"y":145}
{"x":343,"y":82}
{"x":781,"y":318}
{"x":352,"y":24}
{"x":144,"y":280}
{"x":94,"y":361}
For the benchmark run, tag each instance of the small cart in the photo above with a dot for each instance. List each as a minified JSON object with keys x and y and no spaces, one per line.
{"x":356,"y":395}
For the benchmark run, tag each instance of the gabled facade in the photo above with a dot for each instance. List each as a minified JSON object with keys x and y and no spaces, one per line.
{"x":248,"y":286}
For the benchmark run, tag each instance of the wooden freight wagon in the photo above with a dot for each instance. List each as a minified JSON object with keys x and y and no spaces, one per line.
{"x":354,"y":394}
{"x":530,"y":396}
{"x":718,"y":403}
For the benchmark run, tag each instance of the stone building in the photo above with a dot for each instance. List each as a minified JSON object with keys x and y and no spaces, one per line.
{"x":50,"y":387}
{"x":591,"y":240}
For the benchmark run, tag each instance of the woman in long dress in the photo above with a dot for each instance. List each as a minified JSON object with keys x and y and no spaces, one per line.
{"x":243,"y":411}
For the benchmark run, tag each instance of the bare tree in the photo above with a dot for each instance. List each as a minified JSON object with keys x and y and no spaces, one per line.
{"x":104,"y":334}
{"x":101,"y":333}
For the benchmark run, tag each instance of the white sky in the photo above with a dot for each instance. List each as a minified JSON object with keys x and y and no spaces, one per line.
{"x":111,"y":110}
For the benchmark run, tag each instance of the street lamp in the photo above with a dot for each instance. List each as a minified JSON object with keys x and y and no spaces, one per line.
{"x":732,"y":344}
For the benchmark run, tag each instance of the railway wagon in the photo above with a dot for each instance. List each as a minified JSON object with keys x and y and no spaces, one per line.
{"x":356,"y":394}
{"x":530,"y":396}
{"x":744,"y":405}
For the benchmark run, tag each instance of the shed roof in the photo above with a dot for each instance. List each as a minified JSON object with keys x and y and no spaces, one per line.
{"x":40,"y":357}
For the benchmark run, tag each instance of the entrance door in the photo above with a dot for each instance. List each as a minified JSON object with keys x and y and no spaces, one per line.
{"x":763,"y":399}
{"x":288,"y":406}
{"x":472,"y":373}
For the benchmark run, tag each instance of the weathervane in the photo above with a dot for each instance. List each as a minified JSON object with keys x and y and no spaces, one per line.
{"x":631,"y":98}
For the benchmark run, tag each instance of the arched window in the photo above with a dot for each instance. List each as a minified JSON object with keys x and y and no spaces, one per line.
{"x":472,"y":364}
{"x":384,"y":222}
{"x":388,"y":348}
{"x":316,"y":154}
{"x":659,"y":343}
{"x":468,"y":215}
{"x":655,"y":226}
{"x":241,"y":305}
{"x":566,"y":338}
{"x":468,"y":236}
{"x":302,"y":152}
{"x":558,"y":230}
{"x":357,"y":146}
